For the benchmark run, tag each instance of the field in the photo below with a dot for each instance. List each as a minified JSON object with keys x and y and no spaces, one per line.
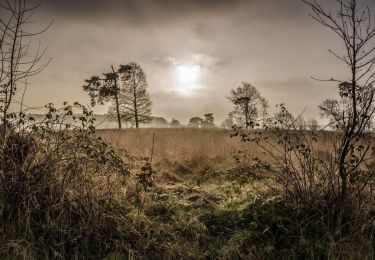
{"x":175,"y":145}
{"x":181,"y":154}
{"x":205,"y":204}
{"x":197,"y":198}
{"x":211,"y":147}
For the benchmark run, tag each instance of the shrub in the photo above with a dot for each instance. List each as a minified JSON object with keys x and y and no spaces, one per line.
{"x":298,"y":171}
{"x":56,"y":184}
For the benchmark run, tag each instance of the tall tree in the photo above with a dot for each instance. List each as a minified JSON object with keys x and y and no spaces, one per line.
{"x":353,"y":26}
{"x":134,"y":101}
{"x":105,"y":89}
{"x":247,"y":99}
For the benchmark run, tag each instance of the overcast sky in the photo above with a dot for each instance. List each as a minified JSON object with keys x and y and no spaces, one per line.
{"x":272,"y":44}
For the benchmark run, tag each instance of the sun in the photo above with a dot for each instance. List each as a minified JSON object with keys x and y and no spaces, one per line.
{"x":187,"y":76}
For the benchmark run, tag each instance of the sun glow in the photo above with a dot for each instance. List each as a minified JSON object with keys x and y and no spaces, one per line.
{"x":187,"y":76}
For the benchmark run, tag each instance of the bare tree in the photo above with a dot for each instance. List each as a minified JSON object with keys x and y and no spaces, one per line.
{"x":247,"y":99}
{"x":19,"y":57}
{"x":105,"y":89}
{"x":312,"y":124}
{"x":338,"y":111}
{"x":334,"y":112}
{"x":352,"y":24}
{"x":301,"y":123}
{"x":134,"y":101}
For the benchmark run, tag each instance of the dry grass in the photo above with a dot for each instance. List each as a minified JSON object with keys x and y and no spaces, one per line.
{"x":189,"y":144}
{"x":200,"y":187}
{"x":208,"y":214}
{"x":177,"y":145}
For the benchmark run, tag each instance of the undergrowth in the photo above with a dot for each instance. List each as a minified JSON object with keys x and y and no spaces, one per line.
{"x":75,"y":197}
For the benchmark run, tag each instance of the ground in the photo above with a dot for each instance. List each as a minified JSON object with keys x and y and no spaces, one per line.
{"x":205,"y":204}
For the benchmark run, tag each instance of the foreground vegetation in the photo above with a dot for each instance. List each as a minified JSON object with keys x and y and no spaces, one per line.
{"x":192,"y":202}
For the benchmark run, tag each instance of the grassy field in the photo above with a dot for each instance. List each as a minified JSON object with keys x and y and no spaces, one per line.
{"x":178,"y":150}
{"x":195,"y":201}
{"x":188,"y":146}
{"x":174,"y":145}
{"x":204,"y":204}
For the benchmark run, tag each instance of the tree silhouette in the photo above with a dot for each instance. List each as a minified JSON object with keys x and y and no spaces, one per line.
{"x":354,"y":28}
{"x":175,"y":123}
{"x":300,"y":123}
{"x":208,"y":121}
{"x":195,"y":122}
{"x":338,"y":111}
{"x":247,"y":99}
{"x":19,"y":58}
{"x":159,"y":122}
{"x":333,"y":110}
{"x":134,"y":101}
{"x":312,"y":124}
{"x":105,"y":89}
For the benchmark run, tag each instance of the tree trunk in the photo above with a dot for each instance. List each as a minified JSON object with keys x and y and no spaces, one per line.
{"x":351,"y":129}
{"x":247,"y":116}
{"x":135,"y":108}
{"x":117,"y":103}
{"x":339,"y":215}
{"x":118,"y":112}
{"x":136,"y":117}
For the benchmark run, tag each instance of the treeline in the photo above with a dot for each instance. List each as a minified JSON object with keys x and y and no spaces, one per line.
{"x":125,"y":89}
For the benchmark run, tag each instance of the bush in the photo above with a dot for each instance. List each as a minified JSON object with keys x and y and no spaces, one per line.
{"x":306,"y":176}
{"x":56,"y":183}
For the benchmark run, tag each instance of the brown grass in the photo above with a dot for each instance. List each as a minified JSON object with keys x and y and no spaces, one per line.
{"x":189,"y":144}
{"x":175,"y":145}
{"x":193,"y":211}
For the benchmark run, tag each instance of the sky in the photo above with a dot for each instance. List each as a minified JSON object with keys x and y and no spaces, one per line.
{"x":192,"y":51}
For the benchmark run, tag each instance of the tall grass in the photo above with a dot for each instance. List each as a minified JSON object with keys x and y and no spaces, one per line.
{"x":178,"y":145}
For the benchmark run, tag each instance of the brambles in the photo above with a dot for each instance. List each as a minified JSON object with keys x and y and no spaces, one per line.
{"x":146,"y":176}
{"x":304,"y":173}
{"x":57,"y":179}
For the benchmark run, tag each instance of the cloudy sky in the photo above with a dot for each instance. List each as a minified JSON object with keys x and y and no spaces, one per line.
{"x":193,"y":52}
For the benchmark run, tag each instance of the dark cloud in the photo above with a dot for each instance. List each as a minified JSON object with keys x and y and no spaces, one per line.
{"x":141,"y":10}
